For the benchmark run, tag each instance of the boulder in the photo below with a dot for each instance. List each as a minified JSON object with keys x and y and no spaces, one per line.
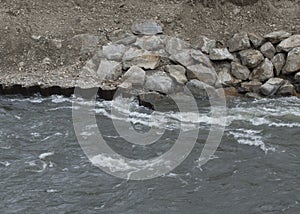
{"x":134,"y":77}
{"x":177,"y":72}
{"x":109,"y":70}
{"x":156,"y":101}
{"x":256,"y":40}
{"x":271,"y":86}
{"x":225,"y":79}
{"x":175,"y":45}
{"x":293,"y":61}
{"x":238,"y":42}
{"x":253,"y":95}
{"x":114,"y":52}
{"x":289,"y":43}
{"x":205,"y":44}
{"x":252,"y":86}
{"x":263,"y":72}
{"x":198,"y":88}
{"x":220,"y":54}
{"x":278,"y":62}
{"x":159,"y":81}
{"x":150,"y":43}
{"x":122,"y":37}
{"x":268,"y":50}
{"x":297,"y":77}
{"x":251,"y":58}
{"x":287,"y":89}
{"x":203,"y":73}
{"x":191,"y":57}
{"x":239,"y":71}
{"x":149,"y":27}
{"x":277,"y":36}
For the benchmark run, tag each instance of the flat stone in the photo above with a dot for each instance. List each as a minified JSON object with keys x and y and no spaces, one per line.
{"x":238,"y":42}
{"x":114,"y":52}
{"x":252,"y":86}
{"x":293,"y":61}
{"x":251,"y":58}
{"x":175,"y":45}
{"x":287,"y":89}
{"x":159,"y":81}
{"x":134,"y":77}
{"x":150,"y":43}
{"x":201,"y":72}
{"x":109,"y":70}
{"x":256,"y":40}
{"x":268,"y":50}
{"x":289,"y":43}
{"x":198,"y":88}
{"x":205,"y":44}
{"x":149,"y":27}
{"x":263,"y":72}
{"x":177,"y":72}
{"x":220,"y":54}
{"x":277,"y":36}
{"x":239,"y":71}
{"x":271,"y":86}
{"x":278,"y":62}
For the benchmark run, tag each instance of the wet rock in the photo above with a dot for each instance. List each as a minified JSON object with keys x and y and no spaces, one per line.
{"x":277,"y":36}
{"x":114,"y":52}
{"x":239,"y":71}
{"x":198,"y":88}
{"x":220,"y":54}
{"x":177,"y":72}
{"x":253,"y":95}
{"x":157,"y":101}
{"x":287,"y":89}
{"x":252,"y":86}
{"x":289,"y":43}
{"x":149,"y":27}
{"x":278,"y":62}
{"x":133,"y":78}
{"x":175,"y":45}
{"x":205,"y":44}
{"x":150,"y":43}
{"x":292,"y":61}
{"x":203,"y":73}
{"x":251,"y":58}
{"x":238,"y":42}
{"x":109,"y":70}
{"x":256,"y":40}
{"x":159,"y":81}
{"x":271,"y":86}
{"x":263,"y":72}
{"x":140,"y":58}
{"x":268,"y":50}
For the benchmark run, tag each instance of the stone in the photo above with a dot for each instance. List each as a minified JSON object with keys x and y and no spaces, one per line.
{"x":175,"y":45}
{"x":201,"y":58}
{"x":263,"y":72}
{"x":252,"y":86}
{"x":149,"y":27}
{"x":118,"y":35}
{"x":114,"y":52}
{"x":134,"y":77}
{"x":293,"y":61}
{"x":184,"y":58}
{"x":87,"y":43}
{"x":277,"y":36}
{"x":150,"y":43}
{"x":198,"y":88}
{"x":287,"y":89}
{"x":253,"y":95}
{"x":109,"y":70}
{"x":203,"y":73}
{"x":159,"y":81}
{"x":56,"y":43}
{"x":128,"y":40}
{"x":278,"y":62}
{"x":271,"y":86}
{"x":177,"y":72}
{"x":268,"y":50}
{"x":220,"y":54}
{"x":238,"y":42}
{"x":140,"y":58}
{"x":289,"y":43}
{"x":297,"y":77}
{"x":157,"y":101}
{"x":256,"y":40}
{"x":225,"y":79}
{"x":251,"y":58}
{"x":239,"y":71}
{"x":205,"y":44}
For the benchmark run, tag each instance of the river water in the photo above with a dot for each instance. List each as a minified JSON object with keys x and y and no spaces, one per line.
{"x":256,"y":168}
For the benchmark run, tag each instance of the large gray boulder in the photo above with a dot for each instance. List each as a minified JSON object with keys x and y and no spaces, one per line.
{"x":277,"y":36}
{"x":287,"y":89}
{"x":205,"y":44}
{"x":293,"y":61}
{"x":191,"y":57}
{"x":256,"y":40}
{"x":203,"y":73}
{"x":159,"y":81}
{"x":149,"y":27}
{"x":289,"y":43}
{"x":217,"y":54}
{"x":133,"y":78}
{"x":239,"y":71}
{"x":225,"y":79}
{"x":109,"y":70}
{"x":278,"y":62}
{"x":150,"y":43}
{"x":114,"y":52}
{"x":252,"y":86}
{"x":178,"y":72}
{"x":263,"y":72}
{"x":251,"y":58}
{"x":175,"y":45}
{"x":238,"y":42}
{"x":198,"y":88}
{"x":271,"y":86}
{"x":268,"y":50}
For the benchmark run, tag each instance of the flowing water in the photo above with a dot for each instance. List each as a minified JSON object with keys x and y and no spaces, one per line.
{"x":256,"y":168}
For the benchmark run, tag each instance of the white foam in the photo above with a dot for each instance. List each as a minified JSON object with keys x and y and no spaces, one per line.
{"x":5,"y":163}
{"x":44,"y":155}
